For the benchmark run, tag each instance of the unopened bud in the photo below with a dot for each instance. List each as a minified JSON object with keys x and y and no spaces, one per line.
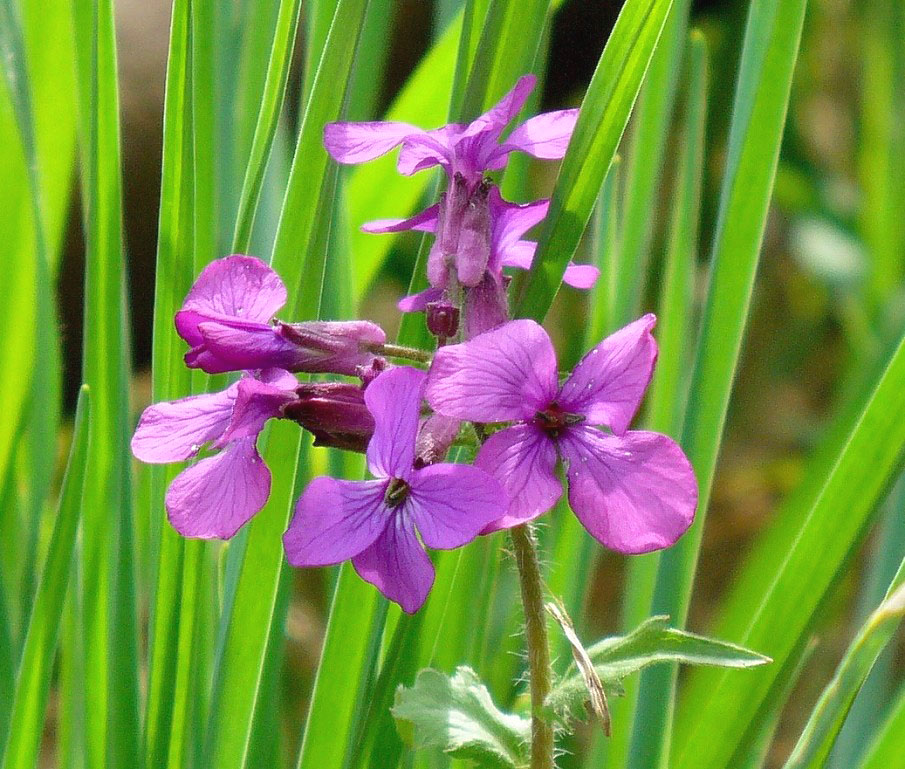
{"x":443,"y":319}
{"x":369,"y":373}
{"x":338,"y":347}
{"x":335,"y":413}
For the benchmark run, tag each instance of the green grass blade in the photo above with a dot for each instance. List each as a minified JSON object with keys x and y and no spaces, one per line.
{"x":885,"y":750}
{"x":272,"y":100}
{"x":645,"y":160}
{"x":110,"y":642}
{"x":34,"y":673}
{"x":604,"y":114}
{"x":840,"y":515}
{"x":819,"y":735}
{"x":768,"y":60}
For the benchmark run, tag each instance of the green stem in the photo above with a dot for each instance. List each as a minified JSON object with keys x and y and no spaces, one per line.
{"x":399,"y":351}
{"x":525,"y":546}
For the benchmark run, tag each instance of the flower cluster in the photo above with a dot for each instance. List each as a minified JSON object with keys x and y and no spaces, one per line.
{"x":492,"y":382}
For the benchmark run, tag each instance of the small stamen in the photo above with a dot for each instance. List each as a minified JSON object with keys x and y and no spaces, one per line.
{"x":396,"y":493}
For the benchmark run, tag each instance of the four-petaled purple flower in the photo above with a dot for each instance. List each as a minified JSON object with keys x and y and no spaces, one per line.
{"x":467,"y":150}
{"x":226,"y":318}
{"x":217,"y":495}
{"x":374,"y":522}
{"x":633,"y":491}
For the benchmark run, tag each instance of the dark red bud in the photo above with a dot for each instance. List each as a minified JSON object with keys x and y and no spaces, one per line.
{"x":443,"y":319}
{"x":335,"y":413}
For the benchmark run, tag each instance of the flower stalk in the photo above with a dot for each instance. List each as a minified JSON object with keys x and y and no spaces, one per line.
{"x":400,"y":351}
{"x":539,"y":669}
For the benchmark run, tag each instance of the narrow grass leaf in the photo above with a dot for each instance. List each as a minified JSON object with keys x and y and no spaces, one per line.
{"x":36,"y":665}
{"x":604,"y":114}
{"x":885,"y":749}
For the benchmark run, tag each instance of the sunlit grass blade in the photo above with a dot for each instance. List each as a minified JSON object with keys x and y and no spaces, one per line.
{"x":604,"y":114}
{"x":768,"y":61}
{"x":840,"y":515}
{"x":250,"y":613}
{"x":885,"y":749}
{"x":36,"y":665}
{"x":819,"y":735}
{"x":645,"y":159}
{"x":268,"y":116}
{"x":110,"y":636}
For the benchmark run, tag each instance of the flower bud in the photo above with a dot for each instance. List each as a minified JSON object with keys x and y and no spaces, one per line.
{"x":338,"y":347}
{"x":335,"y":412}
{"x":435,"y":436}
{"x":443,"y":319}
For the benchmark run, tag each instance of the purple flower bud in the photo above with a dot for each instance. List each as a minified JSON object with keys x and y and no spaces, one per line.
{"x":339,"y":347}
{"x":486,"y":305}
{"x":335,"y":413}
{"x":443,"y":319}
{"x":435,"y":436}
{"x":463,"y":235}
{"x":369,"y":373}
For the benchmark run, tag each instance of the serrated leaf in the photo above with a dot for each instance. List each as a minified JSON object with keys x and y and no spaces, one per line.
{"x":456,"y":714}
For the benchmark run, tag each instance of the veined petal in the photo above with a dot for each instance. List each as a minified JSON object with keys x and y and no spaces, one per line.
{"x":609,"y":382}
{"x":236,"y":287}
{"x":256,"y":402}
{"x":634,"y":493}
{"x":175,"y":430}
{"x":500,"y":114}
{"x":523,"y":460}
{"x":397,"y":565}
{"x":451,"y":504}
{"x":428,"y":148}
{"x":214,"y":498}
{"x":507,"y":373}
{"x":231,"y":347}
{"x":426,"y":221}
{"x":418,"y":302}
{"x":544,"y":136}
{"x":352,"y":143}
{"x":512,"y":220}
{"x":335,"y":520}
{"x":394,"y":399}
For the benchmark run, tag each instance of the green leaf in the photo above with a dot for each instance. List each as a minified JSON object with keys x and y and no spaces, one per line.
{"x":781,"y":619}
{"x":819,"y":735}
{"x":885,"y":750}
{"x":36,"y":665}
{"x":604,"y":114}
{"x":456,"y":715}
{"x":650,"y":643}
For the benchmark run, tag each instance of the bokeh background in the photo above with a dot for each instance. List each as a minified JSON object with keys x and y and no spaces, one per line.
{"x":819,"y":322}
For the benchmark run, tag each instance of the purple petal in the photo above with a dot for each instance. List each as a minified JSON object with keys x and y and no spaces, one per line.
{"x":419,"y":302}
{"x":486,"y":305}
{"x":335,"y":520}
{"x":394,"y":398}
{"x":544,"y":136}
{"x":214,"y":498}
{"x":609,"y":382}
{"x":278,"y":378}
{"x":507,"y":373}
{"x":256,"y":402}
{"x":519,"y":255}
{"x":512,"y":220}
{"x":523,"y":460}
{"x":352,"y":143}
{"x":231,"y":347}
{"x":634,"y":493}
{"x":582,"y":276}
{"x":397,"y":565}
{"x":426,"y":149}
{"x":478,"y":147}
{"x":426,"y":221}
{"x":451,"y":504}
{"x":236,"y":287}
{"x":175,"y":430}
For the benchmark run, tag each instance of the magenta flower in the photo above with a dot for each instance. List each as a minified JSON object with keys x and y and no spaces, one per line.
{"x":226,"y":318}
{"x":468,"y":150}
{"x":217,"y":495}
{"x":374,"y":522}
{"x":506,"y":248}
{"x":634,"y":491}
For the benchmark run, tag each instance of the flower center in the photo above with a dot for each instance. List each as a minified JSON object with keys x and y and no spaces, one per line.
{"x":553,"y":420}
{"x":397,"y":491}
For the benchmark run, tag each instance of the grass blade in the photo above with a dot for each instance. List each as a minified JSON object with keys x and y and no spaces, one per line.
{"x":819,"y":735}
{"x":885,"y":751}
{"x":768,"y":60}
{"x":604,"y":114}
{"x":34,"y":673}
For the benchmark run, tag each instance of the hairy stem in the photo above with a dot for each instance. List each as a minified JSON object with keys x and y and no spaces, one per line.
{"x":525,"y":546}
{"x":399,"y":351}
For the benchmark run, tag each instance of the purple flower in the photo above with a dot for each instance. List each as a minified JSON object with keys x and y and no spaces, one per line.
{"x":217,"y":495}
{"x":468,"y":150}
{"x":508,"y":222}
{"x":633,"y":491}
{"x":335,"y":412}
{"x":374,"y":522}
{"x":226,"y":318}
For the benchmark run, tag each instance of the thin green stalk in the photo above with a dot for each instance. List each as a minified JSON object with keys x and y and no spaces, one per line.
{"x":540,"y":672}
